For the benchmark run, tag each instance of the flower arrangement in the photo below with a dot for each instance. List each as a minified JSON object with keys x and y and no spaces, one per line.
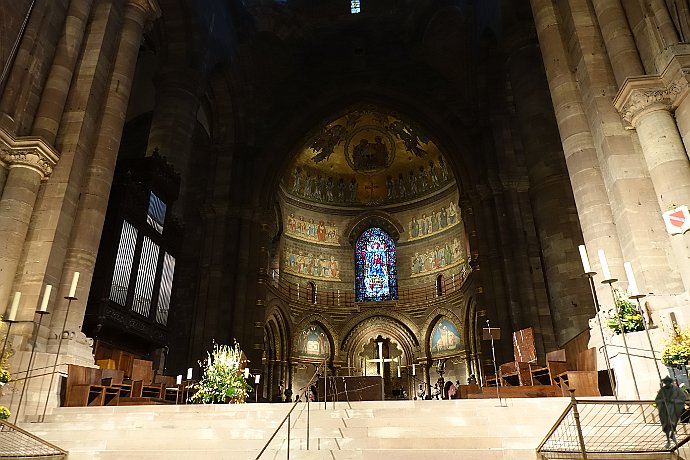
{"x":677,"y":350}
{"x":625,"y":317}
{"x":4,"y":376}
{"x":4,"y":413}
{"x":222,"y":379}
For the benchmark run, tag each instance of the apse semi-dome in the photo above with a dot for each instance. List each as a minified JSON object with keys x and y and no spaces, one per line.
{"x":367,"y":157}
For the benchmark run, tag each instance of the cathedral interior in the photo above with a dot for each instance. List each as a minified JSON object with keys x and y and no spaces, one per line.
{"x":359,"y":185}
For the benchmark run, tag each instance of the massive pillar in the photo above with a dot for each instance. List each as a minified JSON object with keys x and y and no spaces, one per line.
{"x":551,"y":195}
{"x":93,"y":203}
{"x":18,"y":197}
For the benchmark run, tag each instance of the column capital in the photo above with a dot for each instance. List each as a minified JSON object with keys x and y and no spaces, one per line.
{"x":149,"y":8}
{"x":640,"y":95}
{"x":27,"y":152}
{"x":643,"y":94}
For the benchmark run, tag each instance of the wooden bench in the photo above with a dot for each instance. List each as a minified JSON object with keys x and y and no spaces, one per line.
{"x":84,"y":388}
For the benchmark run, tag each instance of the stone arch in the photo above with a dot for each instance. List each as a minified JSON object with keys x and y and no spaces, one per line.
{"x":386,"y":326}
{"x":277,"y":352}
{"x":374,"y":218}
{"x":327,"y":327}
{"x":431,"y":320}
{"x":381,"y":312}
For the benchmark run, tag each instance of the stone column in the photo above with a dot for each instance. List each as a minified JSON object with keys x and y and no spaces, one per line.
{"x":619,"y":40}
{"x":175,"y":117}
{"x":645,"y":103}
{"x":16,"y":212}
{"x":55,"y":208}
{"x":57,"y":87}
{"x":32,"y":63}
{"x":93,"y":203}
{"x":589,"y":190}
{"x":29,"y":163}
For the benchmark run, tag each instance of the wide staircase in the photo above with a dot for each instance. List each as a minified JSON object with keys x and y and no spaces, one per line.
{"x":457,"y":429}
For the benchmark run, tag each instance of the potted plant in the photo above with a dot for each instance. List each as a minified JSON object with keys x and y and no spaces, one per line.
{"x":4,"y":413}
{"x":676,"y":354}
{"x":625,"y":317}
{"x":222,"y":379}
{"x":4,"y":376}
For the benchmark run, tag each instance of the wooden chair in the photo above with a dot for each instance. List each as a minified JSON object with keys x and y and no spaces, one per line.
{"x":523,"y":370}
{"x":85,"y":388}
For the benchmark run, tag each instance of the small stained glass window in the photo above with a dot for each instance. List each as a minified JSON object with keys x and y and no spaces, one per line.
{"x":376,"y":275}
{"x":354,"y":6}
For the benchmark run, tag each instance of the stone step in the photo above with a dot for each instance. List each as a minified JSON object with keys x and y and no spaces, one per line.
{"x":403,"y":429}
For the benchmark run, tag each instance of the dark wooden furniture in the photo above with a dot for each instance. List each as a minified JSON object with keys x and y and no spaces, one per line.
{"x":84,"y":388}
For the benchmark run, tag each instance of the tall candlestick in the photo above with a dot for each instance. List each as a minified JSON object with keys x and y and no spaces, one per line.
{"x":585,"y":260}
{"x":246,"y":372}
{"x":414,"y":369}
{"x":398,"y":371}
{"x":632,"y":284}
{"x":179,"y":379}
{"x":257,"y":377}
{"x":604,"y":265}
{"x":46,"y":298}
{"x":189,"y":374}
{"x":73,"y":287}
{"x":15,"y":305}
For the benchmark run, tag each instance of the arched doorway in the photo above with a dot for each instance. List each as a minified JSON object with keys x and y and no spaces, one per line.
{"x":384,"y":346}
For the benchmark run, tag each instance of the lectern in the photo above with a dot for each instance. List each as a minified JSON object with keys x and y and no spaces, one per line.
{"x":493,"y":333}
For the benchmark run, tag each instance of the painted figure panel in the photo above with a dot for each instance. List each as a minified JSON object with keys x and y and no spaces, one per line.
{"x":445,"y":338}
{"x":312,"y":342}
{"x":438,"y":258}
{"x":434,"y":221}
{"x":311,"y":264}
{"x":308,"y":230}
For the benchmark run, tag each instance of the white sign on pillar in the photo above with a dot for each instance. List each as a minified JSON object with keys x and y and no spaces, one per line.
{"x":677,"y":220}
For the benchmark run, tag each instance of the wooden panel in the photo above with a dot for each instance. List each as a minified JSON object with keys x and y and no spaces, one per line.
{"x":356,"y":388}
{"x":463,"y":391}
{"x":587,"y":360}
{"x":112,"y":376}
{"x":123,"y":361}
{"x":142,"y":369}
{"x":556,"y":355}
{"x":575,"y":346}
{"x":523,"y":346}
{"x":106,"y":364}
{"x":585,"y":383}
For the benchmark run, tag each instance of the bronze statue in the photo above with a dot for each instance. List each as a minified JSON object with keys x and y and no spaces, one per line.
{"x":670,"y":402}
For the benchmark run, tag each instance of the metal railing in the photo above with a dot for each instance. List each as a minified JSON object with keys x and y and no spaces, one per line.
{"x":300,"y":293}
{"x":286,"y":419}
{"x":18,"y":443}
{"x":598,"y":427}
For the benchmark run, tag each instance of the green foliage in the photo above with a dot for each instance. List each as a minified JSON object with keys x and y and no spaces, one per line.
{"x":626,"y":317}
{"x":677,"y":351}
{"x":5,"y":376}
{"x":4,"y":413}
{"x":222,"y":379}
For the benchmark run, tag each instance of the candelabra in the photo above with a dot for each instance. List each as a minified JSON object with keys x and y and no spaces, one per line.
{"x":610,"y":282}
{"x":37,"y":328}
{"x":69,"y":298}
{"x":597,"y":310}
{"x":637,"y":297}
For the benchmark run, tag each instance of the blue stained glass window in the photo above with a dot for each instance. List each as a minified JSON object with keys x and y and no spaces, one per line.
{"x":376,"y":275}
{"x":354,"y":6}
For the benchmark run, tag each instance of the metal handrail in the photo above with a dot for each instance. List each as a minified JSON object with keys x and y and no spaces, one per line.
{"x":287,"y":418}
{"x":18,"y":443}
{"x":609,"y":426}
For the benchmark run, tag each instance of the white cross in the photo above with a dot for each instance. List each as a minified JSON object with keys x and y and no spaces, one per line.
{"x":380,"y":360}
